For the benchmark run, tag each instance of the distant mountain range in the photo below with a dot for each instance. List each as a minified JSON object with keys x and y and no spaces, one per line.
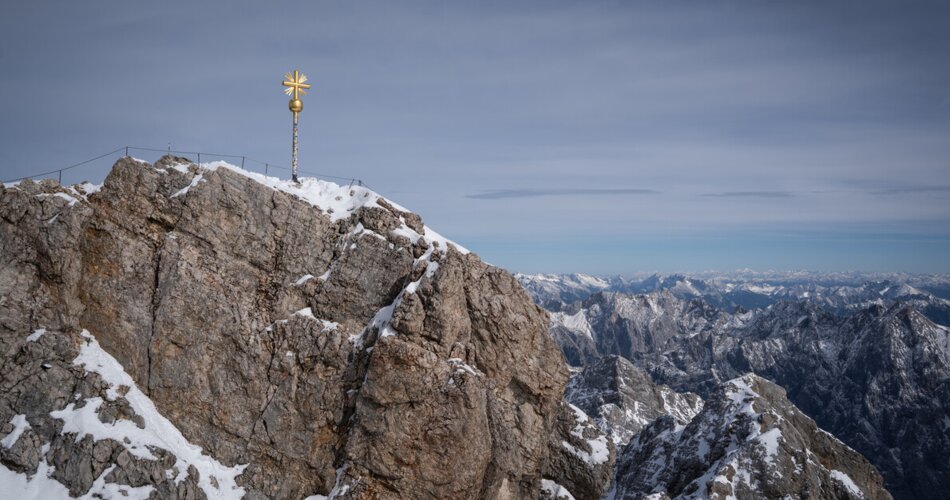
{"x":866,"y":359}
{"x":745,"y":290}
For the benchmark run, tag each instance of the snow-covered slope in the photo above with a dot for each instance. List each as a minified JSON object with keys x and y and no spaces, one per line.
{"x":128,"y":437}
{"x":337,"y":201}
{"x":747,"y":442}
{"x":622,"y":399}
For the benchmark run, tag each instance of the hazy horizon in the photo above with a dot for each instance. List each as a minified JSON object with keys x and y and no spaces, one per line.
{"x":771,"y":272}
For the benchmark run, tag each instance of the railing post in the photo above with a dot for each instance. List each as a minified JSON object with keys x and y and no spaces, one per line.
{"x":126,"y":151}
{"x":199,"y":158}
{"x":60,"y":177}
{"x":242,"y":162}
{"x":265,"y":168}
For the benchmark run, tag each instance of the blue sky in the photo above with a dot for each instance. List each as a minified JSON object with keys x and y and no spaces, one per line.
{"x":601,"y":137}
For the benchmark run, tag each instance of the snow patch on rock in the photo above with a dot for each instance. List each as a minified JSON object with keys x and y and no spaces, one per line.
{"x":554,"y":490}
{"x":19,"y":425}
{"x":33,"y":337}
{"x":216,"y":479}
{"x":599,"y":449}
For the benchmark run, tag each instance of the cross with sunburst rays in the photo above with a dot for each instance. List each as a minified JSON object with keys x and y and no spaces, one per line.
{"x":296,"y":84}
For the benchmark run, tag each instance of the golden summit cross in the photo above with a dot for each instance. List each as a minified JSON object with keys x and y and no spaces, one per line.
{"x":296,"y":84}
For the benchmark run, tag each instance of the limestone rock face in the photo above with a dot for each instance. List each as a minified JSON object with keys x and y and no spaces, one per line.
{"x":749,"y":441}
{"x":319,"y":337}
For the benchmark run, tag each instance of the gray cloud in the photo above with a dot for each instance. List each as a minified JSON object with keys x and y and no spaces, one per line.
{"x":530,"y":193}
{"x":751,"y":194}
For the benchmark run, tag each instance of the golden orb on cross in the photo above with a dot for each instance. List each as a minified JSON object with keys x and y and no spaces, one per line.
{"x":295,"y":105}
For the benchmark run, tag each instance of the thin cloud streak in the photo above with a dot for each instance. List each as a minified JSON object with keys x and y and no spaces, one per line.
{"x":531,"y":193}
{"x":751,"y":194}
{"x":912,"y":190}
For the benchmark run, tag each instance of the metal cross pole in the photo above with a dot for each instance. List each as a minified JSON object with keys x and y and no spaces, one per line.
{"x":293,"y":161}
{"x":296,"y":87}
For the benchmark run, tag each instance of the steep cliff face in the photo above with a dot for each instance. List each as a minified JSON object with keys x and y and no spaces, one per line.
{"x":311,"y":339}
{"x":749,"y":441}
{"x":631,"y":325}
{"x":623,"y":399}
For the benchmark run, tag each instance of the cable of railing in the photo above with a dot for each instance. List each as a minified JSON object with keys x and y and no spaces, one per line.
{"x":267,"y":165}
{"x":184,"y":152}
{"x":60,"y":170}
{"x":136,"y":148}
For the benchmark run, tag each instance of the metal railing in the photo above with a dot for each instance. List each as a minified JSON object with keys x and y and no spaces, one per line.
{"x":245,"y":163}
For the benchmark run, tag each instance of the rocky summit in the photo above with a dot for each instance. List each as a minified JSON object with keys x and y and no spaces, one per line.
{"x":199,"y":331}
